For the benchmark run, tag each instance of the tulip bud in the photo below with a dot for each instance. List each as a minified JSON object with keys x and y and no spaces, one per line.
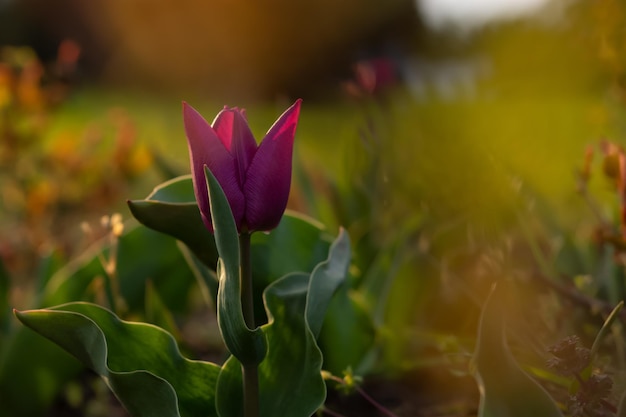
{"x":255,"y":178}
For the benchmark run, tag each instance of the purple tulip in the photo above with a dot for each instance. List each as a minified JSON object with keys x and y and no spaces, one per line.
{"x":255,"y":179}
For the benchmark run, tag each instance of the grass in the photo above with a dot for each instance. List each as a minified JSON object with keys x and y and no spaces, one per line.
{"x":462,"y":158}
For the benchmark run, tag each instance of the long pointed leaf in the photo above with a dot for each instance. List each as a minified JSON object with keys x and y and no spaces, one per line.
{"x":325,"y":280}
{"x":171,"y":208}
{"x":33,"y":371}
{"x":141,"y":363}
{"x":180,"y":220}
{"x":247,"y":345}
{"x":290,"y":376}
{"x":174,"y":200}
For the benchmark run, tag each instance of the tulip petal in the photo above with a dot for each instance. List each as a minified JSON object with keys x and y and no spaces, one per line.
{"x":268,"y":178}
{"x":233,"y":131}
{"x":205,"y":148}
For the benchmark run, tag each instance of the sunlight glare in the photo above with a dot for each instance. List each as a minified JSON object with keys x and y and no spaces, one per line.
{"x":469,"y":14}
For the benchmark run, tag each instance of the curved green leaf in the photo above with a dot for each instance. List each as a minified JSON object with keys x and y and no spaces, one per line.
{"x":72,"y":281}
{"x":348,"y":334}
{"x":306,"y":242}
{"x":247,"y":345}
{"x":174,"y":200}
{"x":141,"y":363}
{"x":49,"y":265}
{"x":171,"y":208}
{"x":325,"y":279}
{"x":506,"y":390}
{"x":32,"y":370}
{"x":290,"y":376}
{"x":142,"y":254}
{"x":176,"y":190}
{"x":205,"y":276}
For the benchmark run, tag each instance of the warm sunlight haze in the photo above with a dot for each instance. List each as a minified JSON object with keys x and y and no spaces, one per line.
{"x":472,"y":13}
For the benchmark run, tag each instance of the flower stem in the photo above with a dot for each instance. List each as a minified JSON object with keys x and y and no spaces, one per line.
{"x":247,"y":300}
{"x":250,"y":371}
{"x":362,"y":393}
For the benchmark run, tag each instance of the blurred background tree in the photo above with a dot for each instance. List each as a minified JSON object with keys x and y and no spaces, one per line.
{"x":228,"y":48}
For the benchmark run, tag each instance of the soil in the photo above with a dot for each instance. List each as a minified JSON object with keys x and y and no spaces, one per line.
{"x":430,"y":393}
{"x":434,"y":393}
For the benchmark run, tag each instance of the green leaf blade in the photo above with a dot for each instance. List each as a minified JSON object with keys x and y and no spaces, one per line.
{"x":247,"y":345}
{"x":137,"y":360}
{"x":325,"y":279}
{"x":176,"y":190}
{"x":179,"y":220}
{"x":171,"y":208}
{"x":285,"y":388}
{"x":290,"y":376}
{"x":348,"y":335}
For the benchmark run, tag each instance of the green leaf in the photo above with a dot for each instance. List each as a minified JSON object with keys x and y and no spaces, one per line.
{"x":506,"y":390}
{"x":205,"y":276}
{"x":176,"y":190}
{"x":303,"y":238}
{"x":247,"y":345}
{"x":348,"y":333}
{"x":325,"y":279}
{"x":180,"y":220}
{"x":174,"y":200}
{"x":171,"y":208}
{"x":305,"y":241}
{"x":142,"y":254}
{"x":32,"y":372}
{"x":157,"y":312}
{"x":145,"y":254}
{"x":141,"y":363}
{"x":49,"y":265}
{"x":290,"y":376}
